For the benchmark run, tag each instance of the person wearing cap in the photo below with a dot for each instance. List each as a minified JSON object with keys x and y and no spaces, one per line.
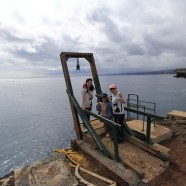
{"x":104,"y":108}
{"x":87,"y":95}
{"x":118,"y":110}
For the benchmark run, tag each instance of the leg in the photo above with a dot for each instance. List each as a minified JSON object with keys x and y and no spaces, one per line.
{"x":88,"y":115}
{"x":120,"y":121}
{"x":108,"y":128}
{"x":119,"y":118}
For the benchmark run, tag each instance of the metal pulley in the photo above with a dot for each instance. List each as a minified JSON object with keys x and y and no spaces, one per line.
{"x":77,"y":65}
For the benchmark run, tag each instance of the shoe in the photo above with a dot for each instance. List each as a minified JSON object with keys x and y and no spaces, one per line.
{"x":120,"y":140}
{"x":85,"y":130}
{"x":107,"y":135}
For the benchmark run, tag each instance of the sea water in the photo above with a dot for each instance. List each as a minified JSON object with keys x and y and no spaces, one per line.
{"x":35,"y":116}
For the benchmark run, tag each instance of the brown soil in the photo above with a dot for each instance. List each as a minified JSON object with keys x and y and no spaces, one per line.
{"x":85,"y":162}
{"x":176,"y":173}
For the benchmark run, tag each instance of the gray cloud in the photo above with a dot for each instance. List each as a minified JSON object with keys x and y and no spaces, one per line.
{"x":129,"y":36}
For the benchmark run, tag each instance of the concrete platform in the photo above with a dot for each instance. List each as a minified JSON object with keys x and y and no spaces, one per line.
{"x":176,"y":114}
{"x":158,"y":133}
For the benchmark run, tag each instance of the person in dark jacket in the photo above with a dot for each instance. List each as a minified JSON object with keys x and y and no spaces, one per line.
{"x":104,"y":108}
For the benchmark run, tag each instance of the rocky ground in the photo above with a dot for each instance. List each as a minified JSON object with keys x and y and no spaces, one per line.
{"x":176,"y":173}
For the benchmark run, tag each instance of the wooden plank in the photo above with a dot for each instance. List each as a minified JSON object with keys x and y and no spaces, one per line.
{"x":161,"y":148}
{"x":137,"y":157}
{"x":115,"y":170}
{"x":148,"y":148}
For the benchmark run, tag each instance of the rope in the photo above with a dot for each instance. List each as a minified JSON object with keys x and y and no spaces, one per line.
{"x":77,"y":167}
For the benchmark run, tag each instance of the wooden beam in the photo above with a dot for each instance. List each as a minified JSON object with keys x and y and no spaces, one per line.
{"x":114,"y":169}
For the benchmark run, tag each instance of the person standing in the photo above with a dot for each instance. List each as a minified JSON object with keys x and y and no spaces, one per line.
{"x":104,"y":108}
{"x":118,"y":102}
{"x":87,"y":96}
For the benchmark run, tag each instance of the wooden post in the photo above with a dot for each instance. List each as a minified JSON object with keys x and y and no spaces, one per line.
{"x":64,"y":59}
{"x":89,"y":57}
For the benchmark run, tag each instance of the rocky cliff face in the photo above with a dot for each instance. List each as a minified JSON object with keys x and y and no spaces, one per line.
{"x":49,"y":172}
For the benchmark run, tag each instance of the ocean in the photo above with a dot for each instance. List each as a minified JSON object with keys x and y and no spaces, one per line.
{"x":35,"y":116}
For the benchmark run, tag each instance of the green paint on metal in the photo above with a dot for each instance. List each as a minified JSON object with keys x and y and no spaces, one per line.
{"x":114,"y":127}
{"x":145,"y":113}
{"x":97,"y":85}
{"x":115,"y":136}
{"x":148,"y":130}
{"x":89,"y":126}
{"x":128,"y":130}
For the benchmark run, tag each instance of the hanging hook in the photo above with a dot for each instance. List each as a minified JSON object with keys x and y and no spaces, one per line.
{"x":78,"y":65}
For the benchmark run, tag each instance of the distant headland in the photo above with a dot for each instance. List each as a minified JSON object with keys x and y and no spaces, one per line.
{"x":180,"y":73}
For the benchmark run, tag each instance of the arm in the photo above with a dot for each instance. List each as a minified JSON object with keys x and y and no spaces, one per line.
{"x":122,"y":99}
{"x":83,"y":101}
{"x":98,"y":107}
{"x":91,"y":94}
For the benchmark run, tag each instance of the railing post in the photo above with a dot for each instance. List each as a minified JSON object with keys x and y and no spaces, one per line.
{"x":137,"y":105}
{"x":115,"y":136}
{"x":148,"y":129}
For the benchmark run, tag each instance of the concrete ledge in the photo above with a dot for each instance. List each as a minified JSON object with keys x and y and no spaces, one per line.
{"x":158,"y":133}
{"x":176,"y":114}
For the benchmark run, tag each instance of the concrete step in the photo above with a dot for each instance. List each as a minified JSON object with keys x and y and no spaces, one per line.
{"x":176,"y":114}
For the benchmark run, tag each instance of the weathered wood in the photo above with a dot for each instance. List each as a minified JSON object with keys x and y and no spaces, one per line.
{"x":149,"y":148}
{"x":162,"y":149}
{"x":114,"y":169}
{"x":64,"y":59}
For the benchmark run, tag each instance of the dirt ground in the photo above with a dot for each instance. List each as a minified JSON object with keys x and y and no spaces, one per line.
{"x":175,"y":175}
{"x":87,"y":164}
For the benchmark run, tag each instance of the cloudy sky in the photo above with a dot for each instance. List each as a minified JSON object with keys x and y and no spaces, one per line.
{"x":123,"y":35}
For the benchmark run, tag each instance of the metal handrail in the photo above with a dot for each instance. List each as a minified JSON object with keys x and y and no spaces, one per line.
{"x":88,"y":125}
{"x":149,"y":117}
{"x":139,"y":105}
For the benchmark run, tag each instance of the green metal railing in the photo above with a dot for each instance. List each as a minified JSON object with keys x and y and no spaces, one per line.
{"x":114,"y":126}
{"x":91,"y":130}
{"x":140,"y":105}
{"x":77,"y":111}
{"x":149,"y":118}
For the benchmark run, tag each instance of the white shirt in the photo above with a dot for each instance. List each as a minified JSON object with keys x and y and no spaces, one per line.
{"x":88,"y":98}
{"x":117,"y":105}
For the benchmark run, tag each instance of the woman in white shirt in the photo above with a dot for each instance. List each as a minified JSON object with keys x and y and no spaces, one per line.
{"x":87,"y":95}
{"x":118,"y":110}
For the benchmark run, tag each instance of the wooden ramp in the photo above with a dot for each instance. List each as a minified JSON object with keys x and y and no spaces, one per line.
{"x":158,"y":133}
{"x":176,"y":114}
{"x":119,"y":173}
{"x":146,"y":165}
